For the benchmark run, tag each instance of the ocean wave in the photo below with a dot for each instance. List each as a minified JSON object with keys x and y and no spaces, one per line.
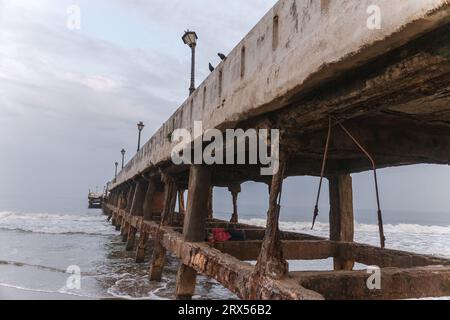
{"x":41,"y":267}
{"x":132,"y":287}
{"x":320,"y":227}
{"x":46,"y":223}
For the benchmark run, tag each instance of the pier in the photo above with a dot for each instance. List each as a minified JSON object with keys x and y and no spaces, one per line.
{"x":347,"y":99}
{"x":95,"y":200}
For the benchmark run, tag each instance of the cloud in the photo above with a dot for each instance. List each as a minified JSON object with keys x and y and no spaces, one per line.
{"x":95,"y":82}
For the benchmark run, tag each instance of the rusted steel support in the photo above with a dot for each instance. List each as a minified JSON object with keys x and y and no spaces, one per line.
{"x":322,"y":172}
{"x":139,"y":198}
{"x":149,"y":195}
{"x":235,"y":189}
{"x":271,"y":261}
{"x":194,"y":225}
{"x":159,"y":252}
{"x":341,"y":216}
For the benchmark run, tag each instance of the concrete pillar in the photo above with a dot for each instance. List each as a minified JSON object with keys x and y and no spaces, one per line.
{"x":159,"y":252}
{"x":130,"y":197}
{"x":150,"y":193}
{"x":123,"y":196}
{"x":158,"y":261}
{"x":186,"y":279}
{"x":210,"y":213}
{"x":194,"y":224}
{"x":139,"y":198}
{"x":341,"y":215}
{"x":271,"y":261}
{"x":131,"y":238}
{"x":113,"y":219}
{"x":118,"y":222}
{"x":235,"y":189}
{"x":181,"y":204}
{"x":119,"y":199}
{"x":142,"y":247}
{"x":170,"y":199}
{"x":116,"y":198}
{"x":198,"y":195}
{"x":125,"y":230}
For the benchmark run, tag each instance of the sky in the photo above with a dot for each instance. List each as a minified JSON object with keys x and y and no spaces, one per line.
{"x":70,"y":99}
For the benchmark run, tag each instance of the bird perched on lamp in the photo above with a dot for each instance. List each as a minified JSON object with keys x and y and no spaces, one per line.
{"x":222,"y":56}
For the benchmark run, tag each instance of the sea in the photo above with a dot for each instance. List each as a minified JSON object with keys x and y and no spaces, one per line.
{"x":42,"y":245}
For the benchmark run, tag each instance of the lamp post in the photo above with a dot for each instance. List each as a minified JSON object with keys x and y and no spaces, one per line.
{"x":117,"y":164}
{"x":190,"y":39}
{"x":140,"y":126}
{"x":123,"y":157}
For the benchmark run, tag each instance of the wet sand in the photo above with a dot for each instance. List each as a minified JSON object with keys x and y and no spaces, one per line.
{"x":21,"y":294}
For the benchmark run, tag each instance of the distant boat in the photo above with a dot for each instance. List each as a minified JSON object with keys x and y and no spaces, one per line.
{"x":95,"y":200}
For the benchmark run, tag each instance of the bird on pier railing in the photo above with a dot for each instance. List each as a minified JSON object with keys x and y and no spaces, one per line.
{"x":222,"y":56}
{"x":211,"y":68}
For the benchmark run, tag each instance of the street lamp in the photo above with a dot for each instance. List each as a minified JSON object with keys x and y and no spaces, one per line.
{"x":190,"y":39}
{"x":117,"y":164}
{"x":123,"y":157}
{"x":140,"y":126}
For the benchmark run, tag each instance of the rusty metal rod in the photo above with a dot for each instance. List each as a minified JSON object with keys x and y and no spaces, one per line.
{"x":322,"y":173}
{"x":380,"y":215}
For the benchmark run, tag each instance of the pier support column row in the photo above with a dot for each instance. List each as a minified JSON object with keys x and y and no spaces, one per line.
{"x":341,"y":215}
{"x":194,"y":225}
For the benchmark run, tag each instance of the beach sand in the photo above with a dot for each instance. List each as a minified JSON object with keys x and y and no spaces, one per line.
{"x":7,"y":293}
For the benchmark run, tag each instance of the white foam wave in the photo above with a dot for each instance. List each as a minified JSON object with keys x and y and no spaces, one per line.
{"x":130,"y":287}
{"x":91,"y":224}
{"x":320,"y":228}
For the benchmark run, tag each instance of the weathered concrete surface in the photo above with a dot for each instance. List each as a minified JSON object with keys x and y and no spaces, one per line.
{"x":422,"y":282}
{"x":315,"y":43}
